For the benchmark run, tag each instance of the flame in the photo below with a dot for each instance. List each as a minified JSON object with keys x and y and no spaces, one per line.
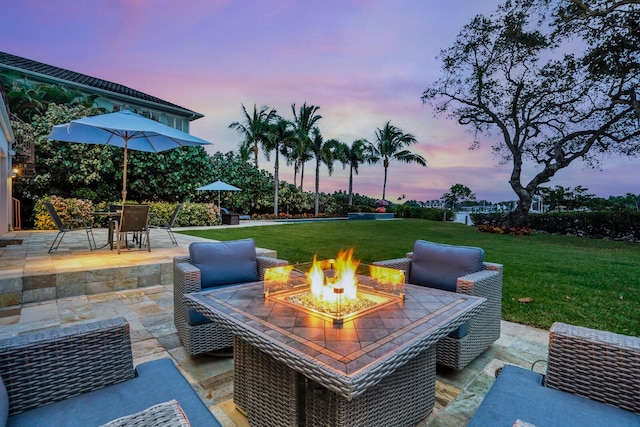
{"x":334,"y":279}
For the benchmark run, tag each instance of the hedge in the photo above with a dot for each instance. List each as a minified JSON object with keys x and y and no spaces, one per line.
{"x":191,"y":214}
{"x":618,"y":225}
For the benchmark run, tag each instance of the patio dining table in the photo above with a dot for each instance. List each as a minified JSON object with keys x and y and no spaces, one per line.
{"x":113,"y":217}
{"x":293,"y":367}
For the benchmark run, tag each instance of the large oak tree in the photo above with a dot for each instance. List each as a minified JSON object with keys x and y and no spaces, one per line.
{"x":512,"y":77}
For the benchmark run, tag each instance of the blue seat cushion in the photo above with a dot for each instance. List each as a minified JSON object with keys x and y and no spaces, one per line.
{"x":439,"y":266}
{"x":461,"y":332}
{"x":225,"y":263}
{"x":194,"y":318}
{"x":156,"y":382}
{"x":519,"y":394}
{"x":4,"y":404}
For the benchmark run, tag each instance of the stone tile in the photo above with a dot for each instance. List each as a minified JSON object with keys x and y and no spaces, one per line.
{"x":10,"y":299}
{"x":125,"y":273}
{"x":464,"y":406}
{"x":101,"y":275}
{"x":71,"y":289}
{"x":228,"y":415}
{"x":169,"y":342}
{"x":445,"y":394}
{"x":40,"y":281}
{"x":439,"y":418}
{"x":99,"y":287}
{"x":39,"y":312}
{"x":126,"y":283}
{"x":142,"y":348}
{"x":45,"y":294}
{"x":72,"y":278}
{"x":10,"y":284}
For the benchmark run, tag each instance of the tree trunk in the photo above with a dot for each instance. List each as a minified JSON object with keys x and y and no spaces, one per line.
{"x":384,"y":187}
{"x":351,"y":186}
{"x":277,"y":184}
{"x":518,"y":217}
{"x":301,"y":175}
{"x":255,"y":153}
{"x":317,"y":187}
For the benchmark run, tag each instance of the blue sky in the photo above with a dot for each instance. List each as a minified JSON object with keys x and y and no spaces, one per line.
{"x":364,"y":62}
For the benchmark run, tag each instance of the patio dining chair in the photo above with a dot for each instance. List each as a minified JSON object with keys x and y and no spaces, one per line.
{"x":169,"y":224}
{"x":134,"y":220}
{"x":458,"y":269}
{"x":72,"y":225}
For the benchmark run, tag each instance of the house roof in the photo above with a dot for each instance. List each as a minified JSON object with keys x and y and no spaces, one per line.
{"x":32,"y":67}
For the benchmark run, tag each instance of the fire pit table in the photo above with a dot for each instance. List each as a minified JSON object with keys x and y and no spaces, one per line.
{"x":294,"y":367}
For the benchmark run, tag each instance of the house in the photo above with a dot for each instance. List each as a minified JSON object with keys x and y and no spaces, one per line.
{"x":108,"y":95}
{"x":6,"y":142}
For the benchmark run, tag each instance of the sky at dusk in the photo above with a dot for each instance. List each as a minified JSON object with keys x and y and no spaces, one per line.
{"x":364,"y":62}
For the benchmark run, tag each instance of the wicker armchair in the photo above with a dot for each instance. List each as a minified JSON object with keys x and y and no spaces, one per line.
{"x":592,"y":379}
{"x":84,"y":375}
{"x":461,"y":347}
{"x":600,"y":365}
{"x":202,"y":335}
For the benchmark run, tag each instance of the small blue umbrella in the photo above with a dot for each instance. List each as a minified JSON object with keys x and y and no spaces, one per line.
{"x":127,"y":130}
{"x":219,"y":186}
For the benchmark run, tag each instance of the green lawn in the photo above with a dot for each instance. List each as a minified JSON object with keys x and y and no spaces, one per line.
{"x":588,"y":282}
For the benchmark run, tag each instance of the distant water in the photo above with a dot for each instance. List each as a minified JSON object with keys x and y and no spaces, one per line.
{"x":463,"y":217}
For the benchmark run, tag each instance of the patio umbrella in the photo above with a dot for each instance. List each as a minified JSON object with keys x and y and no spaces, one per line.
{"x":127,"y":130}
{"x":219,"y":186}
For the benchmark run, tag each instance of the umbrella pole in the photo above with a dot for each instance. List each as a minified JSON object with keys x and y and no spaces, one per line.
{"x":218,"y":199}
{"x":124,"y":191}
{"x":124,"y":175}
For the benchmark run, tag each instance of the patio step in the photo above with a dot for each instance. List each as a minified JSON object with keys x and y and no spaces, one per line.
{"x":29,"y":274}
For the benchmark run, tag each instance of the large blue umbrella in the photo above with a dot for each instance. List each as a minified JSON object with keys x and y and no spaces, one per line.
{"x":127,"y":130}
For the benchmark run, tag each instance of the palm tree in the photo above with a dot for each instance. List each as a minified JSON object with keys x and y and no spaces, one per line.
{"x":390,"y":143}
{"x":303,"y":122}
{"x":279,"y":134}
{"x":254,"y":128}
{"x":361,"y":151}
{"x":324,"y":152}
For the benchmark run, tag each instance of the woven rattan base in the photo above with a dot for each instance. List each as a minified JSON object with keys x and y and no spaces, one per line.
{"x":259,"y":378}
{"x":402,"y":398}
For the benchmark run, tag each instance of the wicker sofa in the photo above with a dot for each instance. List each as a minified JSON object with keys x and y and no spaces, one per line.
{"x":457,"y":269}
{"x":212,"y":264}
{"x":83,"y":375}
{"x":592,"y":379}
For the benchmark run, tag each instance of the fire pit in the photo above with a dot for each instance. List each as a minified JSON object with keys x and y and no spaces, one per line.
{"x":338,"y":289}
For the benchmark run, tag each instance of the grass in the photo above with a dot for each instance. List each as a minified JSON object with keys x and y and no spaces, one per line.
{"x":587,"y":282}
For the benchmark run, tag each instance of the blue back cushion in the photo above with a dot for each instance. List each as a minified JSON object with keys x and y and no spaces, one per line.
{"x":4,"y":404}
{"x":225,"y":263}
{"x":439,"y":266}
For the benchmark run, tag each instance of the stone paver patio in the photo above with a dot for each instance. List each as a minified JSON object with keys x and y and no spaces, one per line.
{"x":147,"y":304}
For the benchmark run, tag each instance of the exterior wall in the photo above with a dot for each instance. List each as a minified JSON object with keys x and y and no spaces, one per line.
{"x":6,"y":139}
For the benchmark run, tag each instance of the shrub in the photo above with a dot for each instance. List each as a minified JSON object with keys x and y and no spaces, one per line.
{"x":191,"y":214}
{"x":67,"y":210}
